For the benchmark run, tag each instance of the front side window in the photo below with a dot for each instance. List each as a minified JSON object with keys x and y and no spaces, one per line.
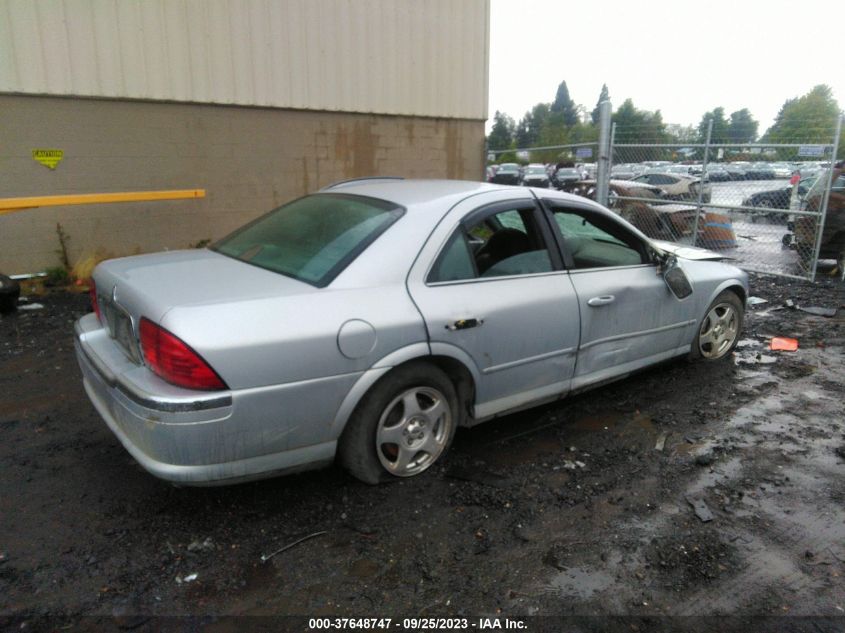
{"x":311,"y":239}
{"x":500,"y":244}
{"x":597,"y":242}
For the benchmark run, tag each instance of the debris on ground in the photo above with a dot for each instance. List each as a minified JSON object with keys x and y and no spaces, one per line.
{"x":201,"y":546}
{"x":784,"y":344}
{"x":266,"y":557}
{"x":825,"y":312}
{"x":31,"y":306}
{"x":186,"y":579}
{"x":754,"y":301}
{"x":700,"y":508}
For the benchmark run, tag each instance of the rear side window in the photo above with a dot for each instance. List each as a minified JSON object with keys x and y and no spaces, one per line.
{"x":311,"y":239}
{"x":504,"y":244}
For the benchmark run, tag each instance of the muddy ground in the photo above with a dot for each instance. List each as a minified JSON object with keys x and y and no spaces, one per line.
{"x":584,"y":507}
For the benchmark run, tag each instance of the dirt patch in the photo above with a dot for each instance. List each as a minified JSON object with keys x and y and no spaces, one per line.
{"x":682,"y":561}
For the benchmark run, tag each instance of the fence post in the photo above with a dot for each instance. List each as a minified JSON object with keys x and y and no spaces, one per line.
{"x":825,"y":199}
{"x":610,"y":152}
{"x":603,"y":167}
{"x":700,"y":210}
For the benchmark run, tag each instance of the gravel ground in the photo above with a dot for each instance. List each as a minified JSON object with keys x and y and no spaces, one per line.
{"x":568,"y":509}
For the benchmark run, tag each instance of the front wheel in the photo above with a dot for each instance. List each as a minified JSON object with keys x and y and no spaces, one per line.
{"x":719,"y":330}
{"x":402,"y":426}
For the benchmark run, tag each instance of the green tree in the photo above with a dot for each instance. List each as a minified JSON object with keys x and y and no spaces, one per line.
{"x":525,"y":133}
{"x":810,"y":118}
{"x":720,"y":126}
{"x":637,"y":126}
{"x":502,"y":132}
{"x":742,"y":127}
{"x":603,"y":96}
{"x":530,"y":126}
{"x":564,"y":104}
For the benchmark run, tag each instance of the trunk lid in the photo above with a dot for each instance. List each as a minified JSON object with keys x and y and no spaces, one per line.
{"x":151,"y":285}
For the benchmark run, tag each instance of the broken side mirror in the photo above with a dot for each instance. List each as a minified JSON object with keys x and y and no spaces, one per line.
{"x":675,"y":277}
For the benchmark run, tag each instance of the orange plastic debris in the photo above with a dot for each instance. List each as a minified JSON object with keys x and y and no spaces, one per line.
{"x":783,"y":344}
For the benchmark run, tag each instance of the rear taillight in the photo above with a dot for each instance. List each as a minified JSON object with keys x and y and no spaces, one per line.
{"x":94,"y":303}
{"x":172,"y":359}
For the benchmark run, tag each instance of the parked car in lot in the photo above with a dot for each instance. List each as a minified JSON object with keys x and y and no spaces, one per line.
{"x":773,"y":200}
{"x":626,"y":171}
{"x":677,"y":186}
{"x":535,"y":176}
{"x":735,"y":171}
{"x":507,"y":174}
{"x":683,"y":170}
{"x":782,"y":170}
{"x":367,"y":321}
{"x":565,"y":177}
{"x":759,"y":171}
{"x":717,"y":173}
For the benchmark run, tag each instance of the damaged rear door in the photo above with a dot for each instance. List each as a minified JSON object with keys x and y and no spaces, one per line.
{"x":495,"y":294}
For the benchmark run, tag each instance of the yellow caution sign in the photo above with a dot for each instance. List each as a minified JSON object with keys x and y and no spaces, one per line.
{"x":48,"y":157}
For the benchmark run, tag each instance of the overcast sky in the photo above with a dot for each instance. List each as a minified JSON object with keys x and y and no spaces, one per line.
{"x":681,"y":57}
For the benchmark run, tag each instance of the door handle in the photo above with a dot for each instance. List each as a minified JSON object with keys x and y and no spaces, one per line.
{"x":601,"y":301}
{"x":464,"y":324}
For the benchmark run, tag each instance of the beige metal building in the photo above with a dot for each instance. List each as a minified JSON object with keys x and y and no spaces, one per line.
{"x":255,"y":101}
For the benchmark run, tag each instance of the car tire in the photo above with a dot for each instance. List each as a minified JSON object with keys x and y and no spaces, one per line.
{"x":416,"y":405}
{"x":719,"y":329}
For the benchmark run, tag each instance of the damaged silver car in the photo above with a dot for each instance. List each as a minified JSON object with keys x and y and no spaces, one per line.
{"x":368,"y":321}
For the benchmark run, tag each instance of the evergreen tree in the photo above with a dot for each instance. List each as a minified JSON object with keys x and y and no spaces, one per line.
{"x":603,"y":96}
{"x":501,"y":135}
{"x":564,"y":104}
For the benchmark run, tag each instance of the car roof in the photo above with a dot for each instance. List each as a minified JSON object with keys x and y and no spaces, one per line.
{"x":412,"y":193}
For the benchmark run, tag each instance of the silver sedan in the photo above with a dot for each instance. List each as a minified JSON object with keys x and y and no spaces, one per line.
{"x":368,"y":321}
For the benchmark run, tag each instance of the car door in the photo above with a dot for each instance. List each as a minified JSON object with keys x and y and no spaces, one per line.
{"x":629,"y":318}
{"x":491,"y":287}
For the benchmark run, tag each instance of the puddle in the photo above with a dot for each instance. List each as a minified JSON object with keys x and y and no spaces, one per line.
{"x":581,"y":582}
{"x":752,"y":357}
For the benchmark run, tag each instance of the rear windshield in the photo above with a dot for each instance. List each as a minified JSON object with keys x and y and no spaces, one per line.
{"x":311,"y":239}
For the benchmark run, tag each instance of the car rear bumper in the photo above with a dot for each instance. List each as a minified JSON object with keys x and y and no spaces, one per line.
{"x":208,"y":438}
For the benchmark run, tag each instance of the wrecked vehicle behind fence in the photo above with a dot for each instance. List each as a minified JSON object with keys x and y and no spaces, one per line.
{"x":329,"y":328}
{"x":649,"y":209}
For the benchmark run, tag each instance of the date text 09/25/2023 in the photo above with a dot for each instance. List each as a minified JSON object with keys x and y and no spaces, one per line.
{"x":416,"y":624}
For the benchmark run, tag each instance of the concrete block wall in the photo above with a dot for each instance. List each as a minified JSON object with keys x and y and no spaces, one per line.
{"x":249,"y":160}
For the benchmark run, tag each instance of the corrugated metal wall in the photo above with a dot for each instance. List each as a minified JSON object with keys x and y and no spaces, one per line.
{"x":414,"y":57}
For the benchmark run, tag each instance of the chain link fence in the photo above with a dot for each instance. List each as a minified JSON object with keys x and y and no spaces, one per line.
{"x":774,"y":208}
{"x":762,"y":204}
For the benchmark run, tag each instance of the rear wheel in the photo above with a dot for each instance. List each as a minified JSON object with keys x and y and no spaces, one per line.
{"x":402,"y":426}
{"x":719,"y":330}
